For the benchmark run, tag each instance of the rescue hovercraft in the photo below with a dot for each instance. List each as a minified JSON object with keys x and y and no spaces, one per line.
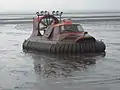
{"x":53,"y":34}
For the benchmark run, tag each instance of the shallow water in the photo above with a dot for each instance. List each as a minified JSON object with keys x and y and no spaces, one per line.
{"x":38,"y":71}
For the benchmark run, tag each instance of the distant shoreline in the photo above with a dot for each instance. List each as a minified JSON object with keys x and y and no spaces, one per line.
{"x":65,"y":12}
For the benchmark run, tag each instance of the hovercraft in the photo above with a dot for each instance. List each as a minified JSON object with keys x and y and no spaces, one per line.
{"x":53,"y":34}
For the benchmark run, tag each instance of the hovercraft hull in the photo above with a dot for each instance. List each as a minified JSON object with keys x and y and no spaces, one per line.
{"x":63,"y":47}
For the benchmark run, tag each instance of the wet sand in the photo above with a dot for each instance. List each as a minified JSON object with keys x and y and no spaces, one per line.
{"x":38,"y":71}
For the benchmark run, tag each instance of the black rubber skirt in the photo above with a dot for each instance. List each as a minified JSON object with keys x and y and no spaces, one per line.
{"x":90,"y":47}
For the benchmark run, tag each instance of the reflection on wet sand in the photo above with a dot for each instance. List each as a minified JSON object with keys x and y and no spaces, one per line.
{"x":58,"y":66}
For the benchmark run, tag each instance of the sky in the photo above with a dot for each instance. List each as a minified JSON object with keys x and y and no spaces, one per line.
{"x":65,"y":5}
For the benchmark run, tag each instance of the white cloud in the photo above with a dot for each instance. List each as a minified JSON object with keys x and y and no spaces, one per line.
{"x":24,"y":5}
{"x":34,"y":5}
{"x":87,"y":4}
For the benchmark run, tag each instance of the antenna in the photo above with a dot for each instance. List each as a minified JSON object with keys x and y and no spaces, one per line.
{"x":38,"y":14}
{"x":56,"y":13}
{"x":61,"y":15}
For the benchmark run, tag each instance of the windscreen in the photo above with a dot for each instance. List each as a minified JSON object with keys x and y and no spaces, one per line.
{"x":72,"y":28}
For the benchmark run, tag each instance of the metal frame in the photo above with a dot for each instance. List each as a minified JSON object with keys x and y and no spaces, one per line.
{"x":47,"y":21}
